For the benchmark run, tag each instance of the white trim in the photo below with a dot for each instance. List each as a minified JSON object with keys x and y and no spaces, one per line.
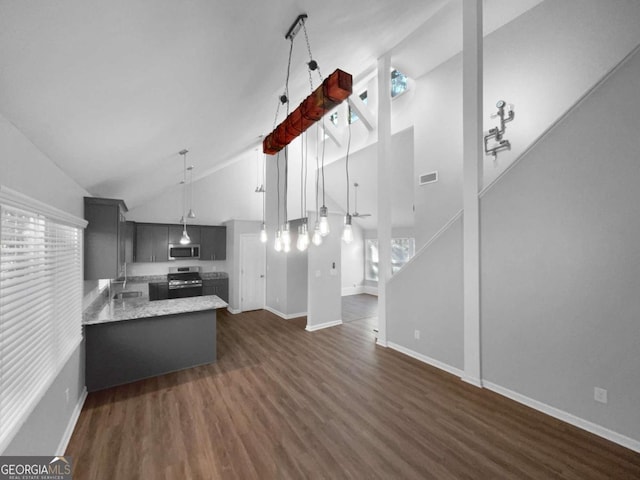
{"x":382,"y":343}
{"x":428,"y":360}
{"x":476,"y":382}
{"x":346,"y":291}
{"x":64,"y":441}
{"x":371,"y":290}
{"x":591,"y":427}
{"x":285,"y":316}
{"x":313,"y":328}
{"x":233,"y":311}
{"x":13,"y":198}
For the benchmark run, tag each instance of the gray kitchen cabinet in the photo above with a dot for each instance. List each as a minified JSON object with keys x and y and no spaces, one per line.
{"x":104,"y":238}
{"x":152,"y":242}
{"x":175,"y":233}
{"x":216,"y":286}
{"x":213,"y":243}
{"x":158,"y":290}
{"x":129,"y":242}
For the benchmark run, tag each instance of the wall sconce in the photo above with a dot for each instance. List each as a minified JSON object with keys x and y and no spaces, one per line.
{"x":497,"y":133}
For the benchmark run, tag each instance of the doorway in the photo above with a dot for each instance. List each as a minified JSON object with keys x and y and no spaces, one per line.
{"x":252,"y":272}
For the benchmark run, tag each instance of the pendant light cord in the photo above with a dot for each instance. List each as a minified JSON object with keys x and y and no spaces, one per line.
{"x":317,"y":169}
{"x":286,"y":182}
{"x":264,"y":192}
{"x":346,"y":162}
{"x":184,"y":190}
{"x":278,"y":185}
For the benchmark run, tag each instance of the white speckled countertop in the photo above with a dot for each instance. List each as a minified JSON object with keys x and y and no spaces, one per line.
{"x":142,"y":307}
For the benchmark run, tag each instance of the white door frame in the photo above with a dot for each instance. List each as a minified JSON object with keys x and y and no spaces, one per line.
{"x":244,"y":236}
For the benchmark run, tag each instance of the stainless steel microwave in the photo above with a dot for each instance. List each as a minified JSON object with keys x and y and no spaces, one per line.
{"x":178,"y":251}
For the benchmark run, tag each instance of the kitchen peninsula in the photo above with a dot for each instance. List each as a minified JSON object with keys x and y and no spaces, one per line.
{"x":132,"y":338}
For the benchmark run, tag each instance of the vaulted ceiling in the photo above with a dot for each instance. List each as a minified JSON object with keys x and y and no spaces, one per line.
{"x":111,"y":91}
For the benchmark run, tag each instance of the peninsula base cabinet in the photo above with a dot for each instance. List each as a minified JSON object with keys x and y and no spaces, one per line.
{"x":216,"y":286}
{"x":129,"y":350}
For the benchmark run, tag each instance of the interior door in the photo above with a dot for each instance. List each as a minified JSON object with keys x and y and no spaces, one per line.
{"x":252,"y":272}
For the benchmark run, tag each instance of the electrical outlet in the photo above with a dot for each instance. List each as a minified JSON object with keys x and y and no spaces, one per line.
{"x":599,"y":394}
{"x":318,"y":273}
{"x":416,"y":334}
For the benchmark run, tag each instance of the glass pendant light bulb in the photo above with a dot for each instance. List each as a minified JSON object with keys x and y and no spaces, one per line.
{"x":191,"y":214}
{"x":303,"y":237}
{"x":263,"y":233}
{"x":316,"y":239}
{"x":185,"y":237}
{"x":278,"y":242}
{"x":347,"y":233}
{"x":324,"y":222}
{"x":286,"y":238}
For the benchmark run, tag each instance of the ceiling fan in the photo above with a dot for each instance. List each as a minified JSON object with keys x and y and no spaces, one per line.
{"x":355,"y":209}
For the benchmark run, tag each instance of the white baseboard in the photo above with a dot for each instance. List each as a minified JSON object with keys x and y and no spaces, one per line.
{"x":603,"y":432}
{"x":286,"y":316}
{"x":233,"y":311}
{"x":352,"y":290}
{"x":370,"y":290}
{"x":64,"y":441}
{"x":423,"y":358}
{"x":313,"y":328}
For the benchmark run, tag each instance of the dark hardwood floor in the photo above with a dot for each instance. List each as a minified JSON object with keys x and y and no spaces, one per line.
{"x":359,"y":307}
{"x":285,"y":403}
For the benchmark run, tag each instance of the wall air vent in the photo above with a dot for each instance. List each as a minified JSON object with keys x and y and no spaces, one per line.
{"x":428,"y":178}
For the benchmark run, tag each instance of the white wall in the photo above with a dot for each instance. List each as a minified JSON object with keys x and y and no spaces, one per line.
{"x":27,"y":170}
{"x":226,"y":194}
{"x":560,"y":258}
{"x":542,"y":62}
{"x":352,"y":263}
{"x":324,"y":278}
{"x":426,"y":295}
{"x":296,"y":276}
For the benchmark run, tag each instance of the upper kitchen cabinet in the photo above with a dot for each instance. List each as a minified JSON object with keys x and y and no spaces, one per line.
{"x":175,"y":233}
{"x":213,"y":243}
{"x":130,"y":242}
{"x":104,"y":238}
{"x":152,"y":242}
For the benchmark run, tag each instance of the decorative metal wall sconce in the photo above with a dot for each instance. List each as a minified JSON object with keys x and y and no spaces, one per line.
{"x":497,"y":133}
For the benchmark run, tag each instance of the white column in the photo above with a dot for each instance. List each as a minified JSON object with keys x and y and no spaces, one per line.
{"x":472,"y":183}
{"x":384,"y":192}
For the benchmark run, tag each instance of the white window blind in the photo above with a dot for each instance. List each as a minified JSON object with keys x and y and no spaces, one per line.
{"x":40,"y":308}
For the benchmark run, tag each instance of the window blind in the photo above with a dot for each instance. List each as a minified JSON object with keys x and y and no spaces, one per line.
{"x":40,"y":309}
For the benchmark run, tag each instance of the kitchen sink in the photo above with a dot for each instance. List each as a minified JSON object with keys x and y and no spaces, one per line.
{"x":130,"y":294}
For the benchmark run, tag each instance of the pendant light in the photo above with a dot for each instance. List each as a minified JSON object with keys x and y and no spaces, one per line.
{"x":185,"y":239}
{"x":303,"y":233}
{"x":324,"y":219}
{"x":278,"y":240}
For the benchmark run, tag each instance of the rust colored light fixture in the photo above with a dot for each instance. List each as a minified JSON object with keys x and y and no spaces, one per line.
{"x":334,"y":90}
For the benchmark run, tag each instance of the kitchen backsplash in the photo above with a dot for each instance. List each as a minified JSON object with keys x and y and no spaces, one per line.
{"x":162,"y":268}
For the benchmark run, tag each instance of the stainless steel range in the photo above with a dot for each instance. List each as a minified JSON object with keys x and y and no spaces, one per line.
{"x":184,"y":282}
